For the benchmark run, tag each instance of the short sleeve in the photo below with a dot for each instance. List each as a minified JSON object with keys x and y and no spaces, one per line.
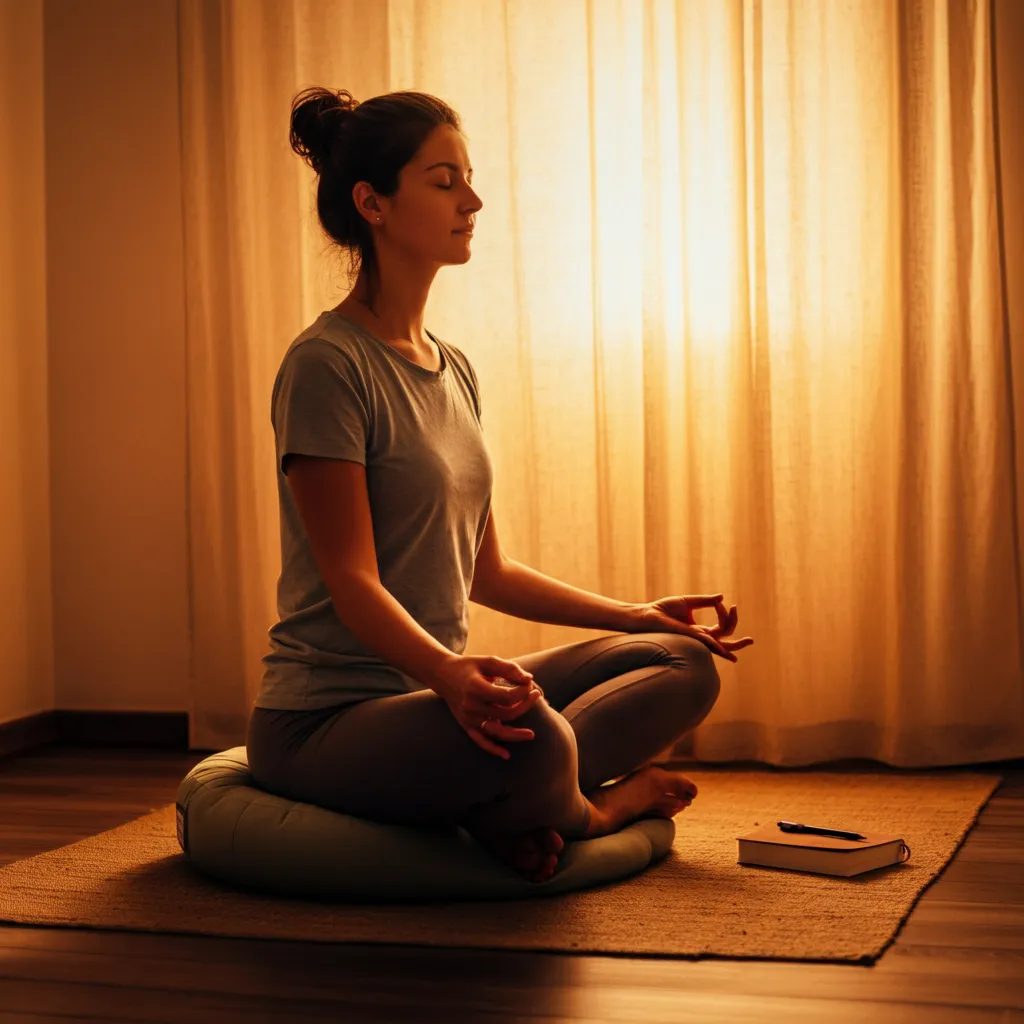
{"x":317,"y":408}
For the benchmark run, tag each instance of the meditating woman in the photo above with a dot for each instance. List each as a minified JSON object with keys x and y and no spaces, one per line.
{"x":368,"y":705}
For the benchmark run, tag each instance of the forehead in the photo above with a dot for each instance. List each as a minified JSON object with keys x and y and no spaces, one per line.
{"x":444,"y":148}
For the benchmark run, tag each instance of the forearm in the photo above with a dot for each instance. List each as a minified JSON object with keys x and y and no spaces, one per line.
{"x":527,"y":594}
{"x":380,"y":622}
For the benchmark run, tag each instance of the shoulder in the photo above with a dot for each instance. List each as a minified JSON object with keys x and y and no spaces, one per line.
{"x":459,"y":359}
{"x":326,"y":341}
{"x":331,"y":346}
{"x":319,"y":372}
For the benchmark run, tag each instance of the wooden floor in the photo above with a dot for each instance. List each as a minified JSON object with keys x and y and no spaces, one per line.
{"x":960,"y":956}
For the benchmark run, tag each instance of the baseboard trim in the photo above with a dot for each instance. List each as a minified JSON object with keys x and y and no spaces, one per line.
{"x":168,"y":730}
{"x":152,"y":730}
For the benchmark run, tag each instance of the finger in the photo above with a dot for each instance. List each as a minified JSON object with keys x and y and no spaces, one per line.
{"x":718,"y":648}
{"x":507,"y":704}
{"x":714,"y":634}
{"x":736,"y":645}
{"x":515,"y":673}
{"x":487,"y":707}
{"x":509,"y":681}
{"x":500,"y":711}
{"x":507,"y":693}
{"x":518,"y":676}
{"x":533,"y":694}
{"x":492,"y":748}
{"x":508,"y":733}
{"x":726,"y":619}
{"x":704,"y":600}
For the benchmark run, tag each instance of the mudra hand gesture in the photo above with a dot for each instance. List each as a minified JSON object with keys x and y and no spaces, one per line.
{"x":675,"y":615}
{"x":485,"y":693}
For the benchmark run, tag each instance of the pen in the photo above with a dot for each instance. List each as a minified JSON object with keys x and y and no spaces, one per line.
{"x":792,"y":826}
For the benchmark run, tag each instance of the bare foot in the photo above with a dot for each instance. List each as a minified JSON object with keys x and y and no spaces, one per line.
{"x":649,"y":792}
{"x":533,"y":854}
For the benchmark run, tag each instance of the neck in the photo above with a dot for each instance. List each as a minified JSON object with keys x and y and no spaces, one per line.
{"x":398,"y":310}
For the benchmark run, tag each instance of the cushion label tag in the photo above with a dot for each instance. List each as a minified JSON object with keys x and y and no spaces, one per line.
{"x":182,"y":827}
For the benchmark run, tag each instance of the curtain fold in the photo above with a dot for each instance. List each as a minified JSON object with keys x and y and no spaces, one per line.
{"x":736,"y":307}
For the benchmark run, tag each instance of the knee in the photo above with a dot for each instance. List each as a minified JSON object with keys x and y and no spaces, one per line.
{"x":705,"y":679}
{"x":708,"y":684}
{"x":703,"y":683}
{"x":552,"y":753}
{"x":688,"y":650}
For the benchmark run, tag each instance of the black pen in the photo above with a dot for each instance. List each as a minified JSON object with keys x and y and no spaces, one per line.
{"x":792,"y":826}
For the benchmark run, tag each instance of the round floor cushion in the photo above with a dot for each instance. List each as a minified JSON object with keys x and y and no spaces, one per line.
{"x":230,"y":828}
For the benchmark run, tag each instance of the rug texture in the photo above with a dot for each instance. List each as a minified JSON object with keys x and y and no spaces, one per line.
{"x":697,"y":902}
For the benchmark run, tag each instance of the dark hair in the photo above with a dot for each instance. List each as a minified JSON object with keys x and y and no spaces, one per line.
{"x":346,"y":142}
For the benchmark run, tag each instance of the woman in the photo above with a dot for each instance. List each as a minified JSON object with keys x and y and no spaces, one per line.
{"x":367,"y":705}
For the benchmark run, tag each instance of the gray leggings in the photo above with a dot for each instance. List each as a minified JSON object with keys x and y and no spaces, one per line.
{"x":610,"y":705}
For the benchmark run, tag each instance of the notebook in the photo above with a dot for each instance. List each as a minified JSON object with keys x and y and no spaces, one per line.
{"x":770,"y":847}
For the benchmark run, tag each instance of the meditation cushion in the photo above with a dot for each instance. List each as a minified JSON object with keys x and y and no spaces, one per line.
{"x":230,"y":828}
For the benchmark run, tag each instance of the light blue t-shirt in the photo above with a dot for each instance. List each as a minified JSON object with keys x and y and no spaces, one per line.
{"x":343,"y":393}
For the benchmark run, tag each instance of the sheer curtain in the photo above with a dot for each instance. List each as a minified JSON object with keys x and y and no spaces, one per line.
{"x":735,"y":307}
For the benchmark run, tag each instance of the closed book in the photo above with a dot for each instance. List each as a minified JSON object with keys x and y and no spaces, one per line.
{"x":824,"y":855}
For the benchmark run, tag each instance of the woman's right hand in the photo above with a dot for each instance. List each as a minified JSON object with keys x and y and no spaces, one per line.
{"x":485,"y":689}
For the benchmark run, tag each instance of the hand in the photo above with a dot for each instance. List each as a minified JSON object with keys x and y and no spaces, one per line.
{"x":675,"y":615}
{"x":482,"y":692}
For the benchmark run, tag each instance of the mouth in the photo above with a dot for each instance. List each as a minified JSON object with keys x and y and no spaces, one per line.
{"x":465,"y":231}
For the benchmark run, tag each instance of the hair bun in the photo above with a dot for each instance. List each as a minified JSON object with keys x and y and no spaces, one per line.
{"x":318,"y":115}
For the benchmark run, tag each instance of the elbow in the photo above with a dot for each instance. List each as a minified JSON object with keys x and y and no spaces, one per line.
{"x":485,"y":583}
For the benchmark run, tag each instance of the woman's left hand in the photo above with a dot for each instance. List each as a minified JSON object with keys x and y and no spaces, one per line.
{"x":675,"y":615}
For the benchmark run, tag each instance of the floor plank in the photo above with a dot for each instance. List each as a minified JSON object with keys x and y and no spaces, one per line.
{"x":919,"y":976}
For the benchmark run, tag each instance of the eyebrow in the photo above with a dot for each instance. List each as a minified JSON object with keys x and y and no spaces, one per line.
{"x":445,"y":163}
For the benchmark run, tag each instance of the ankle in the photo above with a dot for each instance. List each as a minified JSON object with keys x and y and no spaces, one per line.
{"x":600,"y":822}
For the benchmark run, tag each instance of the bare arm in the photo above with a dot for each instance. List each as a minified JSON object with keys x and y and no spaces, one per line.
{"x":333,"y":503}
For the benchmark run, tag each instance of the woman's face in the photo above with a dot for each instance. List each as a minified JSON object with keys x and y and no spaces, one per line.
{"x":435,"y":199}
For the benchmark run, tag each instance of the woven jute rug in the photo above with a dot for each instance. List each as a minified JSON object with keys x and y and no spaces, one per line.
{"x":696,"y":902}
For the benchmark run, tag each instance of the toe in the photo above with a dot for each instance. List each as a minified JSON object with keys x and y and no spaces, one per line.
{"x":684,"y":790}
{"x":546,"y":870}
{"x":550,"y":841}
{"x":526,"y":853}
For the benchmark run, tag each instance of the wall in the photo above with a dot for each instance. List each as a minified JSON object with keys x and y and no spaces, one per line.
{"x":26,"y":626}
{"x":115,"y":304}
{"x":98,"y":274}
